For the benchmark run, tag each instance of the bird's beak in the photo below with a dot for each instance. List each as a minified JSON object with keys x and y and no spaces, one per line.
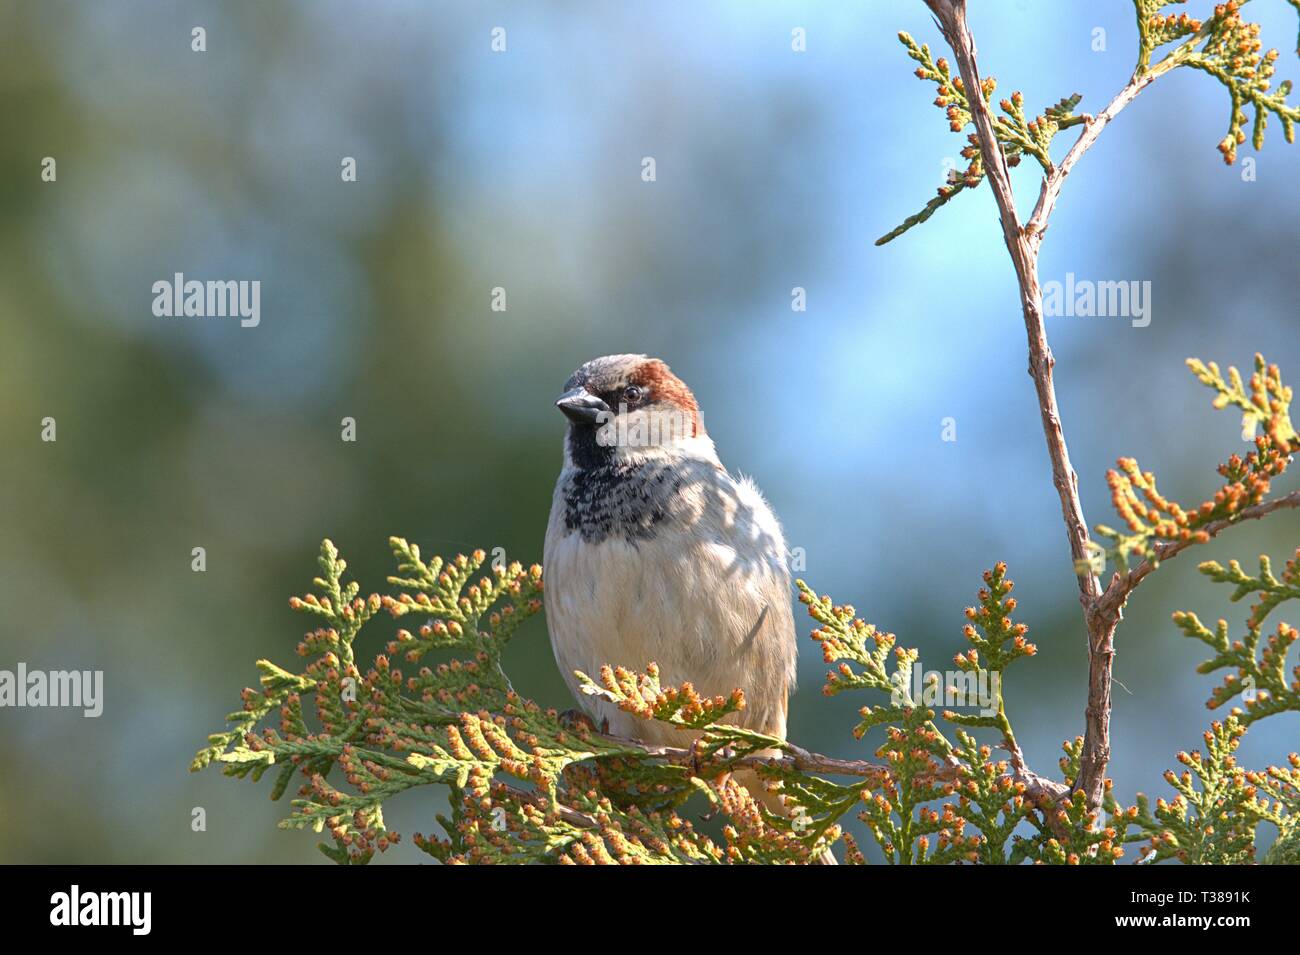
{"x":581,"y":406}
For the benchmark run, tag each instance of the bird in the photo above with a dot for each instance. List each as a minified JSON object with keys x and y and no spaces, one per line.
{"x":654,"y":552}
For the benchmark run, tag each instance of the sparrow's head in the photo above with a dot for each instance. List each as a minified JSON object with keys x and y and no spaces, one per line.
{"x":627,"y":406}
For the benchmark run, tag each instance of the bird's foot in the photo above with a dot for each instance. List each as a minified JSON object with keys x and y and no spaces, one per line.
{"x":695,"y":771}
{"x":577,"y":720}
{"x":696,"y":762}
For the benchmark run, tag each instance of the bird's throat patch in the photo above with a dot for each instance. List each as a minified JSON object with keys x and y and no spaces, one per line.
{"x":629,"y":501}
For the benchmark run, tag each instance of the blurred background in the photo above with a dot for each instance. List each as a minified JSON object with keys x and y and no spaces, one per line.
{"x":522,"y":170}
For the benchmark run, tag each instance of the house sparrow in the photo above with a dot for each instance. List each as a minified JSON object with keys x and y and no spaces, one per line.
{"x":655,"y":553}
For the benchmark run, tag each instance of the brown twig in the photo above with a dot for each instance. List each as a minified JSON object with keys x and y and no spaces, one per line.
{"x":1092,"y":127}
{"x":951,"y":16}
{"x":1037,"y":788}
{"x":1051,"y":188}
{"x":574,"y":817}
{"x":1102,"y":610}
{"x":1121,"y":585}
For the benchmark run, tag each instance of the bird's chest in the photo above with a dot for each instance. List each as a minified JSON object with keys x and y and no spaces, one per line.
{"x":654,"y":567}
{"x":621,"y":603}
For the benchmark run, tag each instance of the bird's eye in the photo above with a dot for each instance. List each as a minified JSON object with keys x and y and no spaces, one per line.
{"x":632,"y":394}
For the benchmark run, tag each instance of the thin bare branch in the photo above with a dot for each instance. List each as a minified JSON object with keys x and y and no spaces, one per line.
{"x":1051,"y":188}
{"x":1102,"y":611}
{"x":1037,"y":788}
{"x":951,"y":16}
{"x":1093,"y":125}
{"x":1121,"y":585}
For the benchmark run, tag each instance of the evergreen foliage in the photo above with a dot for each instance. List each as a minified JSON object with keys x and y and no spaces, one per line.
{"x":528,"y":784}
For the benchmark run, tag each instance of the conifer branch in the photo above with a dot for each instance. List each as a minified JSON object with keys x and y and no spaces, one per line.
{"x":1160,"y":529}
{"x":1227,"y":49}
{"x":951,"y":16}
{"x":795,"y":758}
{"x":528,"y":785}
{"x":1122,"y":585}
